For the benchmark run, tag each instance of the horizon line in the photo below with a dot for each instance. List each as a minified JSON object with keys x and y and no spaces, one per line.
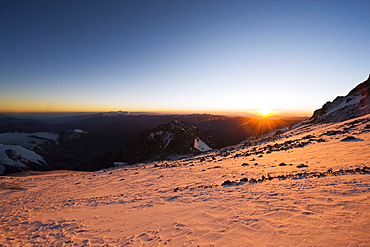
{"x":170,"y":112}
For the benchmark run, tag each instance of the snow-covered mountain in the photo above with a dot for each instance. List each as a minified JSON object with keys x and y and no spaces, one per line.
{"x":21,"y":151}
{"x":355,"y":104}
{"x":164,"y":142}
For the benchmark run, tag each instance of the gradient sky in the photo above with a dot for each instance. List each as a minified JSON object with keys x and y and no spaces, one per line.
{"x":195,"y":56}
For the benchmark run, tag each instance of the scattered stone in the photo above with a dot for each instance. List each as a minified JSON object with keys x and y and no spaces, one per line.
{"x":332,"y":132}
{"x":308,"y":137}
{"x":302,"y":166}
{"x":282,"y":164}
{"x":227,"y":182}
{"x":214,"y":167}
{"x":300,"y":175}
{"x":350,"y":138}
{"x":245,"y":164}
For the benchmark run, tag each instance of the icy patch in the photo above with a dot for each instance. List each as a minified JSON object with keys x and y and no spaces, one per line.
{"x":13,"y":155}
{"x":158,"y":133}
{"x":167,"y":139}
{"x":116,"y":163}
{"x":46,"y":135}
{"x":151,"y":135}
{"x":79,"y":131}
{"x":201,"y":146}
{"x":28,"y":140}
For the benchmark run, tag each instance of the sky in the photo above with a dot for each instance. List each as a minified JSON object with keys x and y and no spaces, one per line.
{"x":180,"y":56}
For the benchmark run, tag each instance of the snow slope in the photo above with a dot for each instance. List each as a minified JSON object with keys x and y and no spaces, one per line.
{"x":28,"y":140}
{"x":201,"y":145}
{"x":355,"y":104}
{"x":306,"y":187}
{"x":17,"y":150}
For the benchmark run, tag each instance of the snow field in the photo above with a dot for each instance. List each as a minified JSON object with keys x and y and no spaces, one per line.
{"x":183,"y":202}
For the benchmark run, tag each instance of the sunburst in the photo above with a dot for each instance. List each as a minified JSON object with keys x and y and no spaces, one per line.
{"x":264,"y":112}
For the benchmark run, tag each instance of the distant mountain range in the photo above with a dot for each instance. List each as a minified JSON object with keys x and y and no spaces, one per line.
{"x":88,"y":142}
{"x":96,"y":141}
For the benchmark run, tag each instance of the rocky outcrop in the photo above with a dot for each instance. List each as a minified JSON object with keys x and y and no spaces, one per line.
{"x":355,"y":104}
{"x":164,"y":142}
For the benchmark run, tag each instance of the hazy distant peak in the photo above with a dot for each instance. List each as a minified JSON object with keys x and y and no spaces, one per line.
{"x":113,"y":114}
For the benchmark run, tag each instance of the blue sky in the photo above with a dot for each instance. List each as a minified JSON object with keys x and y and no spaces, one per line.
{"x":193,"y":56}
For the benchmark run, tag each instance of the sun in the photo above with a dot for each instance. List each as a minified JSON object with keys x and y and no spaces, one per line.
{"x":264,"y":112}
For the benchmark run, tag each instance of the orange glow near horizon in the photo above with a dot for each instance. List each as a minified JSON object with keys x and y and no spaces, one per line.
{"x":22,"y":107}
{"x":261,"y":125}
{"x":265,"y":113}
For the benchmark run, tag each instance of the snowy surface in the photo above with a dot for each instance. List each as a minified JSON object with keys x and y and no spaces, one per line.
{"x":22,"y":145}
{"x":115,"y":114}
{"x":319,"y":196}
{"x":201,"y":146}
{"x":20,"y":153}
{"x":117,"y":163}
{"x":342,"y":102}
{"x":79,"y":131}
{"x":28,"y":140}
{"x":167,"y":138}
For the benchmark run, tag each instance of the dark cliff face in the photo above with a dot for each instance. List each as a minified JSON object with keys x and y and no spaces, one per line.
{"x":164,"y":142}
{"x":355,"y":104}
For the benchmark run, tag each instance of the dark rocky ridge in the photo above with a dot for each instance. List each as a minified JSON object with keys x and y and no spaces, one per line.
{"x":355,"y":104}
{"x":163,"y":142}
